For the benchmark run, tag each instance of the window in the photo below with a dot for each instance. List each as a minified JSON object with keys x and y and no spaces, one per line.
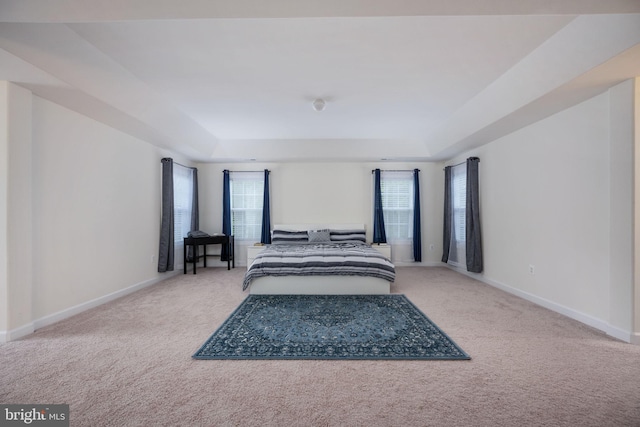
{"x":457,"y":248}
{"x":182,"y":201}
{"x":459,"y":199}
{"x":397,"y":205}
{"x":247,"y":192}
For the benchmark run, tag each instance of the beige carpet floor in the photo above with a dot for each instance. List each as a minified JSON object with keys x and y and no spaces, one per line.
{"x":128,"y":363}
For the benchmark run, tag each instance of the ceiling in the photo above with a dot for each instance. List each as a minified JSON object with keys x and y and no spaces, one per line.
{"x":412,"y":80}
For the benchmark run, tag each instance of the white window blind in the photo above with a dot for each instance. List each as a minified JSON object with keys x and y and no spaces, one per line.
{"x":459,"y":199}
{"x":247,"y":193}
{"x":397,"y":204}
{"x":182,"y":201}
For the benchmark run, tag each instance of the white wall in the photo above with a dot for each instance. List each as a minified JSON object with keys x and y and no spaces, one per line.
{"x":16,"y":207}
{"x":317,"y":193}
{"x":80,"y":216}
{"x":4,"y":189}
{"x":96,"y":210}
{"x":20,"y":205}
{"x":549,"y":198}
{"x":621,"y":149}
{"x":636,"y":208}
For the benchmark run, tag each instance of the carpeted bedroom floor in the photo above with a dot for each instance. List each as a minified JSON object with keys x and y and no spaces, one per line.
{"x":128,"y":363}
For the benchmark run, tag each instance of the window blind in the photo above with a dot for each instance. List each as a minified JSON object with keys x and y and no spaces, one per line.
{"x":459,"y":199}
{"x":397,"y":204}
{"x":182,"y":201}
{"x":247,"y":192}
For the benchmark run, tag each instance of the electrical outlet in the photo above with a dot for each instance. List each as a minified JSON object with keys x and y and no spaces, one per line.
{"x":431,"y":247}
{"x":532,"y":269}
{"x":153,"y":259}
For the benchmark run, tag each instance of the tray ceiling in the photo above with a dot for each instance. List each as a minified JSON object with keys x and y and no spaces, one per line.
{"x":230,"y":81}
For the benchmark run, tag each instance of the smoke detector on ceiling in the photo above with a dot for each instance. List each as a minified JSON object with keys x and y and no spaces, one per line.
{"x":319,"y":104}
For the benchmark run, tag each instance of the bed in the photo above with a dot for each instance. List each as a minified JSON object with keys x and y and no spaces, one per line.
{"x":319,"y":259}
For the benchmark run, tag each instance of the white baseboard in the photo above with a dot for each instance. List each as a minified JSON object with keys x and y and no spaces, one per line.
{"x":587,"y":319}
{"x":22,"y":331}
{"x":14,"y":334}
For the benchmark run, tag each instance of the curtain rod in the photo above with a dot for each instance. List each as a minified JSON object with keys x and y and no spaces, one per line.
{"x":462,"y":163}
{"x":248,"y":171}
{"x":179,"y":164}
{"x":453,"y":166}
{"x":396,"y":170}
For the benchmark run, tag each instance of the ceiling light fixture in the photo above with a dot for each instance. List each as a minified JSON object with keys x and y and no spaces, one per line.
{"x":319,"y":104}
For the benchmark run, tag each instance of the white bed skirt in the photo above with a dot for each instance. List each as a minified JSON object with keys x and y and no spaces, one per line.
{"x":320,"y":285}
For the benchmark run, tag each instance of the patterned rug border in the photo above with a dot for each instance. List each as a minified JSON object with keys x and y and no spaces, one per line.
{"x":231,"y":318}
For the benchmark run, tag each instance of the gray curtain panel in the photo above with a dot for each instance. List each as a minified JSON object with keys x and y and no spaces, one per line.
{"x":195,"y":215}
{"x":166,"y":252}
{"x":448,"y":210}
{"x":473,"y":237}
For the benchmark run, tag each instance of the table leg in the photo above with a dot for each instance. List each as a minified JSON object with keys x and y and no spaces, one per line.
{"x":184,"y":257}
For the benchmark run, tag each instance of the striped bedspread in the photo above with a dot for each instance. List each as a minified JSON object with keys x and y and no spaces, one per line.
{"x":322,"y":259}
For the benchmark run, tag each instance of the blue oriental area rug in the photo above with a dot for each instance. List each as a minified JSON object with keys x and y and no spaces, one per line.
{"x":329,"y":327}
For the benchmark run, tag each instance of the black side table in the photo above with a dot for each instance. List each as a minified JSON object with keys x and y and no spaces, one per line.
{"x":204,"y":241}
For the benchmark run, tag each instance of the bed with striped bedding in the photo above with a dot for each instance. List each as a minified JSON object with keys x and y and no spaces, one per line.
{"x":320,"y":259}
{"x":313,"y":253}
